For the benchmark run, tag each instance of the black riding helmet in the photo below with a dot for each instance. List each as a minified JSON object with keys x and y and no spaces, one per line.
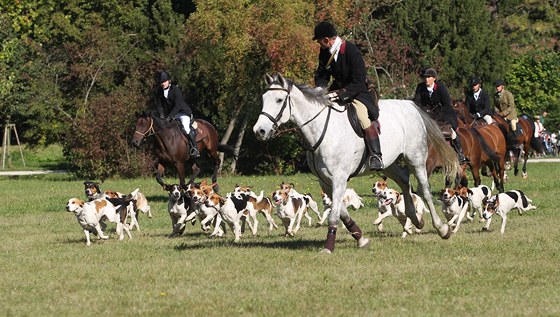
{"x":164,"y":76}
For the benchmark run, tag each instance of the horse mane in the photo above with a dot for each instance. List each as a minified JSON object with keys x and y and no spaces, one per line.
{"x":162,"y":122}
{"x":311,"y":93}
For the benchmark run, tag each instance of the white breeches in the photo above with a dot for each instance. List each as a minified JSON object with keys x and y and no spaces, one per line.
{"x":185,"y":120}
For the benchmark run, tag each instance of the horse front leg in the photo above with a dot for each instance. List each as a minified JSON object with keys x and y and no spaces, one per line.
{"x":181,"y":172}
{"x":217,"y":163}
{"x":195,"y":170}
{"x":339,"y":212}
{"x":159,"y":174}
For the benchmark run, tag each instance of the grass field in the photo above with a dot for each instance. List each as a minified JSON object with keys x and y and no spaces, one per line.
{"x":47,"y":270}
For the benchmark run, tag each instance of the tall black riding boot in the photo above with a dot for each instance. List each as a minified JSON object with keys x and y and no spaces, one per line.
{"x":194,"y":146}
{"x":375,"y":163}
{"x":459,"y":149}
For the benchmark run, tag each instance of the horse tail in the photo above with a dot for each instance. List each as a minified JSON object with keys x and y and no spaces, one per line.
{"x":227,"y":149}
{"x":485,"y":147}
{"x":437,"y":140}
{"x":535,"y":143}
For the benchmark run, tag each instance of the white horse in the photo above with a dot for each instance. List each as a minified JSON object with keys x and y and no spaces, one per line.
{"x":336,"y":153}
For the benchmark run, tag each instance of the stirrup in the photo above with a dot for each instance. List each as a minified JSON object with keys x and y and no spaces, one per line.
{"x":375,"y":163}
{"x":194,"y":153}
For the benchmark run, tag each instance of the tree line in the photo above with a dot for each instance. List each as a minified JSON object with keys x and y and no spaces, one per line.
{"x":77,"y":72}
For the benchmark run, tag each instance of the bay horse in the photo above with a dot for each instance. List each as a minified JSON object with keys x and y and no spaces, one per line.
{"x":471,"y":148}
{"x":528,"y":140}
{"x":492,"y":142}
{"x":172,"y":147}
{"x":335,"y":152}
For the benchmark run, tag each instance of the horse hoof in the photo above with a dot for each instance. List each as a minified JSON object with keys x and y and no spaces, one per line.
{"x":326,"y":251}
{"x":445,"y":232}
{"x":524,"y":175}
{"x":363,"y":242}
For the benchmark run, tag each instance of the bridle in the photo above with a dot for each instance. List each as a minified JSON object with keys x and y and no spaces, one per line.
{"x":288,"y":103}
{"x":148,"y":132}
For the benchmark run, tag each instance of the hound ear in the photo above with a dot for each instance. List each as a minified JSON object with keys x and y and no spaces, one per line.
{"x":268,"y":79}
{"x":384,"y":177}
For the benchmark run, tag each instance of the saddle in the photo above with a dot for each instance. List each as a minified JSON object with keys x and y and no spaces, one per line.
{"x":200,"y":134}
{"x":353,"y":118}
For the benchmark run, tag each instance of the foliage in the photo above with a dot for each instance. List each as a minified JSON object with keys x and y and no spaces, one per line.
{"x":61,"y":59}
{"x":230,"y":50}
{"x":535,"y":79}
{"x":98,"y":151}
{"x":457,"y":38}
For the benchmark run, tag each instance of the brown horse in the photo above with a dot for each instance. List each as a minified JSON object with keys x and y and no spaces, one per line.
{"x":492,"y":142}
{"x":172,"y":147}
{"x":528,"y":140}
{"x":471,"y":148}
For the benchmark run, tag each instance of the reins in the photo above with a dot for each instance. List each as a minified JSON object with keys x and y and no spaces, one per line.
{"x":288,"y":103}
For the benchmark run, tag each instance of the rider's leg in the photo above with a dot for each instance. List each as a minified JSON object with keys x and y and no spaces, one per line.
{"x":375,"y":163}
{"x":190,"y":134}
{"x":458,"y":148}
{"x":516,"y":130}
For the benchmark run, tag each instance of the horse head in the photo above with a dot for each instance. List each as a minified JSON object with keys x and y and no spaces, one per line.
{"x":144,"y":128}
{"x":463,"y":113}
{"x":275,"y":101}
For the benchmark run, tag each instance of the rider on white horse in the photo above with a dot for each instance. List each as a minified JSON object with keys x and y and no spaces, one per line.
{"x":343,"y":61}
{"x":433,"y":97}
{"x":170,"y":104}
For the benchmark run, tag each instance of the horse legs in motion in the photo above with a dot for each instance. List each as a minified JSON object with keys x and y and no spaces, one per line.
{"x":335,"y":151}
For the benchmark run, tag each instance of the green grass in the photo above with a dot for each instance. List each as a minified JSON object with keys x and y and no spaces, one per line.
{"x":47,"y":269}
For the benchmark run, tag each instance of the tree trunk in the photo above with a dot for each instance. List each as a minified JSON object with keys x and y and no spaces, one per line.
{"x":228,"y":133}
{"x":239,"y":143}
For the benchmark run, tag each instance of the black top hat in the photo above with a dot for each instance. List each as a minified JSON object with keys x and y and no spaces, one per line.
{"x":324,"y":29}
{"x":475,"y":81}
{"x":499,"y":82}
{"x":429,"y":72}
{"x":164,"y":76}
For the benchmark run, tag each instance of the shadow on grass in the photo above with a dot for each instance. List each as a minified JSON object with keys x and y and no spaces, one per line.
{"x":228,"y":242}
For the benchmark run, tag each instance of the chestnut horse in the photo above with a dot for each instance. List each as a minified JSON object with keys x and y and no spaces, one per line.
{"x":528,"y":140}
{"x":492,"y":142}
{"x":172,"y":147}
{"x":471,"y":149}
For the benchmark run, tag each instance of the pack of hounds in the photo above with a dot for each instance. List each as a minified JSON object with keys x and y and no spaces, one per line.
{"x":239,"y":208}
